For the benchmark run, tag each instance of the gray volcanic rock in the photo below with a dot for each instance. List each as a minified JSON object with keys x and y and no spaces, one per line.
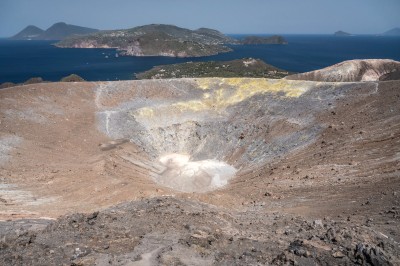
{"x":7,"y":85}
{"x":155,"y":40}
{"x":170,"y":231}
{"x":353,"y":70}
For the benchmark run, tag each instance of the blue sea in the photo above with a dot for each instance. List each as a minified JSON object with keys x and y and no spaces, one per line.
{"x":20,"y":60}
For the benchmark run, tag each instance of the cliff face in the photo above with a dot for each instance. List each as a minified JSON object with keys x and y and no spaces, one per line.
{"x":354,"y":70}
{"x":155,"y":40}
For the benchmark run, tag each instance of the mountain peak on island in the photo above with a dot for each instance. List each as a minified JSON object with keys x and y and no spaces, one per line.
{"x":342,"y":33}
{"x":61,"y":23}
{"x":62,"y":30}
{"x":392,"y":32}
{"x":57,"y":31}
{"x":28,"y":33}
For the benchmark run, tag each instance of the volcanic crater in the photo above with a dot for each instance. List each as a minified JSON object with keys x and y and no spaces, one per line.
{"x":224,"y":146}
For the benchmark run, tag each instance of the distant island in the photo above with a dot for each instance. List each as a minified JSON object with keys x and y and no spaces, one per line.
{"x":342,"y":33}
{"x":392,"y":32}
{"x":29,"y":33}
{"x":276,"y":39}
{"x":155,"y":40}
{"x":58,"y":31}
{"x":247,"y":67}
{"x":147,"y":40}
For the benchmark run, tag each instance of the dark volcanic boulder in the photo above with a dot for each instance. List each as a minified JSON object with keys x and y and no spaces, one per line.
{"x":7,"y":85}
{"x":33,"y":80}
{"x":72,"y":78}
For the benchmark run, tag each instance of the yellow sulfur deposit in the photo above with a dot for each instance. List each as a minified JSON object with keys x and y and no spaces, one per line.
{"x":221,"y":93}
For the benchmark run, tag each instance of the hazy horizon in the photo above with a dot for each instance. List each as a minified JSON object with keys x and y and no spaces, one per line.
{"x":229,"y":17}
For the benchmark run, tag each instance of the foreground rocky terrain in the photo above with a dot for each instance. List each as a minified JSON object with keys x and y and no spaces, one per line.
{"x":212,"y":171}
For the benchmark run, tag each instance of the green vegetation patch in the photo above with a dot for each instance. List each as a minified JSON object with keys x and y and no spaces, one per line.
{"x":247,"y":67}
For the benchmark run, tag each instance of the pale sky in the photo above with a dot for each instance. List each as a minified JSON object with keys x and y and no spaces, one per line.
{"x":228,"y":16}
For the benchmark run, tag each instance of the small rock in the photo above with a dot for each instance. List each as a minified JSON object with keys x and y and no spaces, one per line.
{"x":80,"y":252}
{"x":317,"y":244}
{"x":338,"y":254}
{"x":318,"y":223}
{"x":92,"y":216}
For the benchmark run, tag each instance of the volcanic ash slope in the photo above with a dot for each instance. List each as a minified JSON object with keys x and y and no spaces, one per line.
{"x":354,"y":71}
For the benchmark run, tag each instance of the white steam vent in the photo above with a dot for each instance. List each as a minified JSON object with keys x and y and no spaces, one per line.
{"x":198,"y":176}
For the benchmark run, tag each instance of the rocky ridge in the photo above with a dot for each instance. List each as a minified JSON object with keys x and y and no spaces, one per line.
{"x":353,"y":71}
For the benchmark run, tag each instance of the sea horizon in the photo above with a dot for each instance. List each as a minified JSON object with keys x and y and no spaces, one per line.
{"x":21,"y":60}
